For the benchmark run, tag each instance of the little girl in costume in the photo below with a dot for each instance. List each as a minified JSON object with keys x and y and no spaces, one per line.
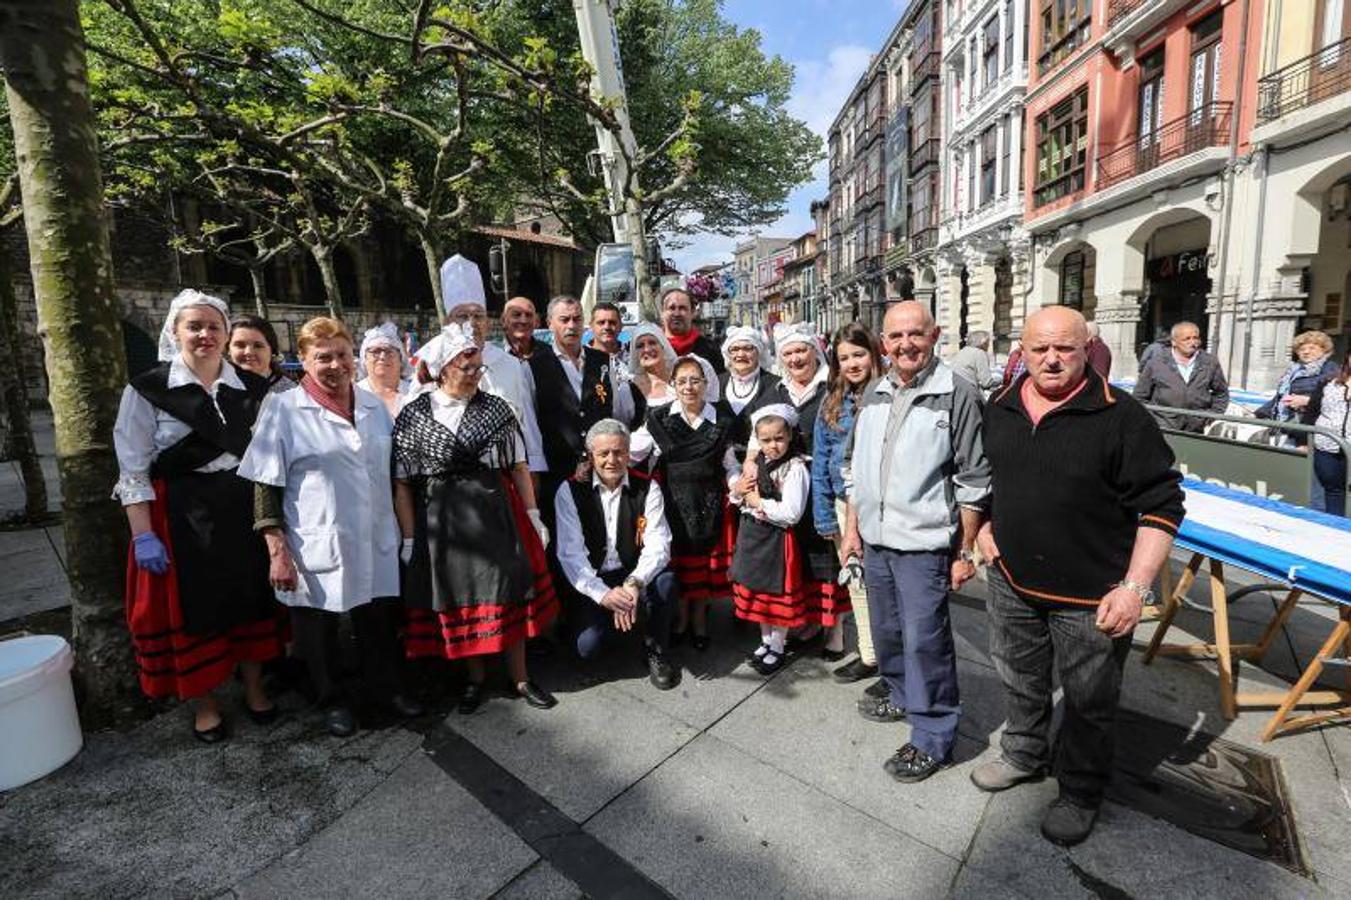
{"x":771,"y":583}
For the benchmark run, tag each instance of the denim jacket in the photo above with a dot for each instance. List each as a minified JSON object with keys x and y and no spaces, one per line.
{"x":828,"y":446}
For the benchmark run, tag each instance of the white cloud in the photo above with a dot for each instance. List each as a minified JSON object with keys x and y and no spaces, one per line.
{"x":819,"y":90}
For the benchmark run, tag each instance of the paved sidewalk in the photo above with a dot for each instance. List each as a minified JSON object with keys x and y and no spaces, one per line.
{"x":728,"y":786}
{"x":32,"y":558}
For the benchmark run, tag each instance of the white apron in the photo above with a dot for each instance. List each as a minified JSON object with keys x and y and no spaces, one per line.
{"x":338,"y":503}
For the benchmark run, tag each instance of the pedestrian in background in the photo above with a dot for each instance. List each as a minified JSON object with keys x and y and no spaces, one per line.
{"x":198,"y":601}
{"x":1086,"y":502}
{"x":320,"y":460}
{"x":918,"y":483}
{"x":1099,"y":354}
{"x":972,"y":362}
{"x":1300,"y":389}
{"x":1183,"y":377}
{"x":1329,"y":462}
{"x":854,"y":363}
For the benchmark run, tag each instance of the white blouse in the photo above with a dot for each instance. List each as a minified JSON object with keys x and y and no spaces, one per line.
{"x":741,"y":391}
{"x":794,"y":481}
{"x":642,"y":446}
{"x":143,"y":431}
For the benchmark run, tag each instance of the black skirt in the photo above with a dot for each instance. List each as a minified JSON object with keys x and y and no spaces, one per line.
{"x":467,"y":548}
{"x":220,"y":560}
{"x":758,"y":563}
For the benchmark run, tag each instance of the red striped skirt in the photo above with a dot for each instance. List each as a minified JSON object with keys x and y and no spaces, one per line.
{"x":477,"y":629}
{"x":171,"y":662}
{"x":804,"y":601}
{"x":703,"y":576}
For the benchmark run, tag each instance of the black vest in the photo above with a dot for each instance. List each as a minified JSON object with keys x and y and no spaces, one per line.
{"x":806,"y":413}
{"x":189,"y":404}
{"x":591,"y":515}
{"x":693,"y":481}
{"x":765,"y":387}
{"x":563,"y":419}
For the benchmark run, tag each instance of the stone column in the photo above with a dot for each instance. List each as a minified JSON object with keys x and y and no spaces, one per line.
{"x":1118,"y":317}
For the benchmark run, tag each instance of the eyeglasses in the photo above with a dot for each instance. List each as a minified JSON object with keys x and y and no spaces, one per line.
{"x":461,"y":318}
{"x":470,"y":370}
{"x":689,"y":382}
{"x":382,"y":352}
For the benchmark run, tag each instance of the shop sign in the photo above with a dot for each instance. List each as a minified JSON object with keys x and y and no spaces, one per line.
{"x":1188,"y":264}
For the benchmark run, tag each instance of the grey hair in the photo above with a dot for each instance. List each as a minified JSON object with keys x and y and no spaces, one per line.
{"x":606,"y":428}
{"x":1173,"y":332}
{"x":978,"y":339}
{"x":560,"y":300}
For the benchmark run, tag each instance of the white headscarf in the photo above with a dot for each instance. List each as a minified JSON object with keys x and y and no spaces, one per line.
{"x":461,"y":283}
{"x":800,"y":333}
{"x":780,"y":410}
{"x":168,"y":343}
{"x":647,"y":328}
{"x":712,"y":390}
{"x":386,"y":335}
{"x":746,"y":334}
{"x":453,"y":340}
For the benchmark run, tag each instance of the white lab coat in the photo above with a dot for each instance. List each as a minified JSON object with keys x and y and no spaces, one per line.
{"x":338,"y":503}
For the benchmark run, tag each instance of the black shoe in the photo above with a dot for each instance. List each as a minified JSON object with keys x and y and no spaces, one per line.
{"x":770,"y":663}
{"x":213,"y":735}
{"x":340,"y":722}
{"x":879,"y":709}
{"x":404,"y":706}
{"x":1067,"y":822}
{"x":911,"y":764}
{"x":878,"y":689}
{"x":832,"y":655}
{"x":700,"y":642}
{"x":854,"y":670}
{"x":660,"y":672}
{"x":536,"y":696}
{"x":262,"y":716}
{"x":471,"y":698}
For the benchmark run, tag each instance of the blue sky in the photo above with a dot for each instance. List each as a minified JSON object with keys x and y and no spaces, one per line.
{"x":829,"y":43}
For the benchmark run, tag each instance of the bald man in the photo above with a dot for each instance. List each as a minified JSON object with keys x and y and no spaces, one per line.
{"x":1085,"y":505}
{"x":519,"y":321}
{"x":916,"y":486}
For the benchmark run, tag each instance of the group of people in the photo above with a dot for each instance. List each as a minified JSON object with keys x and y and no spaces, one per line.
{"x":461,"y":503}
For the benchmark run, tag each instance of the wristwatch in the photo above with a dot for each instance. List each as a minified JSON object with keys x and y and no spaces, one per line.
{"x":1145,"y":594}
{"x":633,"y":581}
{"x":966,"y":556}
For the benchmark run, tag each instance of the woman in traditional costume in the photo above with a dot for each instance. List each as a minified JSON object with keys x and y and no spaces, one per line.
{"x":748,"y":382}
{"x":198,"y":600}
{"x":320,"y":458}
{"x":476,"y":579}
{"x":690,"y":443}
{"x":650,"y":360}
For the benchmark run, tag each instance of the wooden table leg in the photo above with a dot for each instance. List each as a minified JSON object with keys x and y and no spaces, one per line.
{"x":1274,"y":626}
{"x":1171,"y":602}
{"x":1219,"y":601}
{"x":1339,"y":638}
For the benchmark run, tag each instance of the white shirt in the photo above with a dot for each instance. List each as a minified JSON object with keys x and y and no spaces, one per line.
{"x":571,"y":543}
{"x":741,"y":390}
{"x":793,"y":481}
{"x":505,"y":377}
{"x":642,"y":445}
{"x":621,"y":406}
{"x":449,"y":411}
{"x":1186,"y":368}
{"x":143,"y":431}
{"x":337,"y":499}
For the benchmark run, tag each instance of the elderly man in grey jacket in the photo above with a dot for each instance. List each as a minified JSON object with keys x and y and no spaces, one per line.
{"x":917,"y":483}
{"x":1184,"y":377}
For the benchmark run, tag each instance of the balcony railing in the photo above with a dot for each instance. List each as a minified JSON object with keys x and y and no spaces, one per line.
{"x":923,"y":228}
{"x":871,"y":197}
{"x":925,"y":67}
{"x":1305,"y":82}
{"x":925,"y":152}
{"x":1205,"y":126}
{"x":1116,"y":9}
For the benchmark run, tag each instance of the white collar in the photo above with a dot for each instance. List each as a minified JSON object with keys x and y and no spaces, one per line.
{"x":708,"y":413}
{"x":753,"y":377}
{"x":797,"y":394}
{"x":180,"y":374}
{"x":597,"y":483}
{"x":564,"y":358}
{"x":444,"y":400}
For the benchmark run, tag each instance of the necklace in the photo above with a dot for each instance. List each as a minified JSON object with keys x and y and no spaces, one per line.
{"x":754,"y":386}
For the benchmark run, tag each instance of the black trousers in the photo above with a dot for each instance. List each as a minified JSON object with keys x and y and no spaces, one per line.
{"x":375,"y":626}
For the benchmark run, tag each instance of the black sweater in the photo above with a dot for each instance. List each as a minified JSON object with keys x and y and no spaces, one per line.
{"x":1070,"y":493}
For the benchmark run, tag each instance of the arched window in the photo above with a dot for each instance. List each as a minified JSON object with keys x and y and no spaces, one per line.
{"x":1072,"y":280}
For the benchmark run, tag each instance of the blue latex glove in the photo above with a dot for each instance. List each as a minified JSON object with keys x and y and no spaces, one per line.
{"x":150,"y":553}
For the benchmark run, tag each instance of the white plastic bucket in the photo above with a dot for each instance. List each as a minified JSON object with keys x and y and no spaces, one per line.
{"x":39,"y":725}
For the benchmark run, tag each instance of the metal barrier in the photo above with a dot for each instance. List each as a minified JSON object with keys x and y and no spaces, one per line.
{"x":1280,"y":473}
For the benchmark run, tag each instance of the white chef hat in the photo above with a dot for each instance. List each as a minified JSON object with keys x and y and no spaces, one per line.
{"x":461,"y":283}
{"x":712,"y":390}
{"x":453,"y":340}
{"x":168,"y":344}
{"x":746,"y":334}
{"x":783,"y":411}
{"x":650,"y":330}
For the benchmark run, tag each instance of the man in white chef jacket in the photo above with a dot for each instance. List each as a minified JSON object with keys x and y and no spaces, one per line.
{"x":321,"y":459}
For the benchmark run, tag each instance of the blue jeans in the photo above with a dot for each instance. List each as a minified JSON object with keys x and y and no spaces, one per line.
{"x":912,"y":634}
{"x":596,"y":625}
{"x":1329,"y":480}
